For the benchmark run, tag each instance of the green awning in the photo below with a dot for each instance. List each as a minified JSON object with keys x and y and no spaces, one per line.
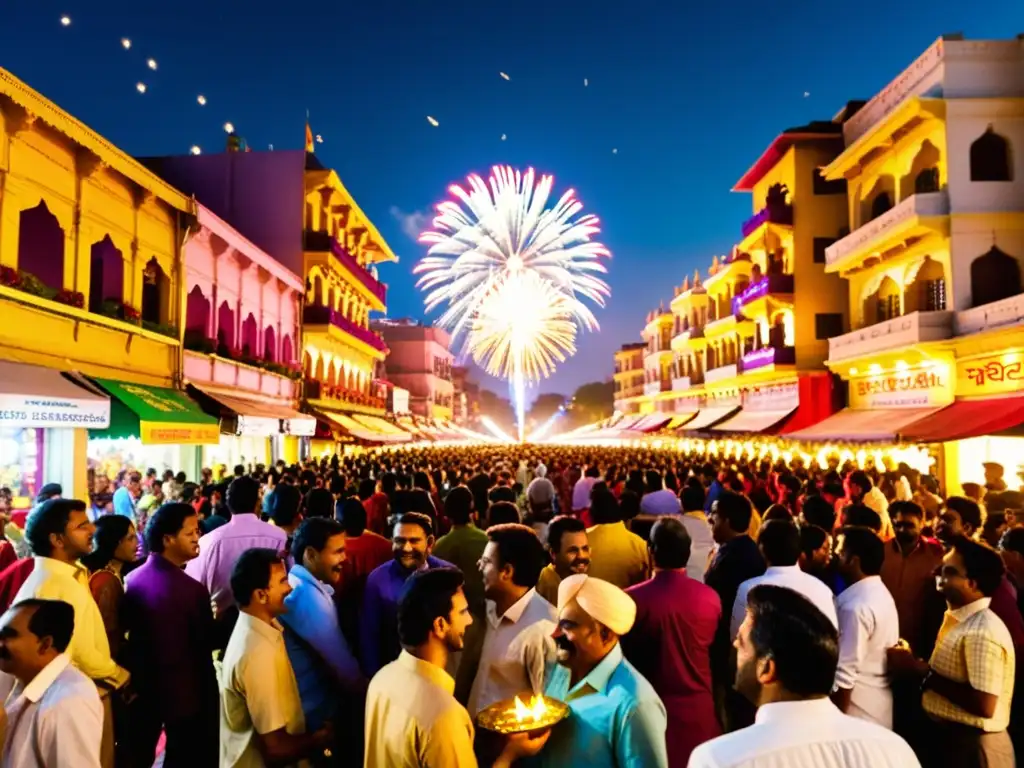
{"x":156,"y":415}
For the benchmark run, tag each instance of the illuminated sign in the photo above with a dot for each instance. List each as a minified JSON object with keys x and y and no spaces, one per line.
{"x":909,"y":388}
{"x":772,"y":397}
{"x":990,"y":375}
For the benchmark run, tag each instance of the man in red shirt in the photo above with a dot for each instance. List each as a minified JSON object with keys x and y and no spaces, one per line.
{"x":364,"y":551}
{"x":376,"y":505}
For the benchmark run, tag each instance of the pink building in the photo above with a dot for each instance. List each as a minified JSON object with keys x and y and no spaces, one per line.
{"x":419,"y":361}
{"x":242,"y":342}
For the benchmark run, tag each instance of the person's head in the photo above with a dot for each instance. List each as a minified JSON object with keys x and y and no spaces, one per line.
{"x":319,"y":546}
{"x":730,"y":516}
{"x":786,"y":649}
{"x":511,"y":562}
{"x":973,"y":491}
{"x":540,"y":495}
{"x":133,"y":481}
{"x":604,"y":507}
{"x":243,"y":495}
{"x":113,"y":539}
{"x":319,"y":502}
{"x":352,"y":515}
{"x":995,"y":525}
{"x":59,"y":528}
{"x":173,"y":532}
{"x":283,"y":507}
{"x":692,"y":497}
{"x":907,"y":519}
{"x":367,"y":487}
{"x":653,"y":481}
{"x":502,"y":513}
{"x":33,"y":633}
{"x":831,"y":492}
{"x":859,"y":553}
{"x":49,"y":491}
{"x":412,"y":540}
{"x":861,"y":516}
{"x":568,"y":545}
{"x":819,"y":512}
{"x":993,"y":473}
{"x":432,"y":610}
{"x":670,"y":544}
{"x":789,"y":489}
{"x":778,"y":512}
{"x":970,"y":571}
{"x":1011,"y":547}
{"x":458,"y":505}
{"x":259,"y":582}
{"x":592,"y":471}
{"x":592,"y":615}
{"x":815,"y":549}
{"x":238,"y":471}
{"x":779,"y":542}
{"x":961,"y":517}
{"x":858,"y":483}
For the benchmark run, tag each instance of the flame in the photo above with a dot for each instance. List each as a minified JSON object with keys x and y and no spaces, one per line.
{"x":535,"y":710}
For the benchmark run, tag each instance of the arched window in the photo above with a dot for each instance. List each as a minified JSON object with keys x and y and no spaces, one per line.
{"x":318,"y":291}
{"x":886,"y":301}
{"x":106,"y":274}
{"x":927,"y":293}
{"x":990,"y":158}
{"x":881,"y":204}
{"x":41,"y":246}
{"x":994,"y":276}
{"x":926,"y":181}
{"x":154,"y":292}
{"x":225,"y":330}
{"x":287,"y":353}
{"x":197,"y":313}
{"x":307,"y":364}
{"x":250,"y":337}
{"x":270,"y":344}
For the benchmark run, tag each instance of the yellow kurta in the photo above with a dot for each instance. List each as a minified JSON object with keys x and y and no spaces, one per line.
{"x":617,"y":555}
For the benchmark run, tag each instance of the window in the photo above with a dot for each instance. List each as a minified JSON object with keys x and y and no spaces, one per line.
{"x":828,"y":325}
{"x":824,"y":187}
{"x":820,"y":244}
{"x":927,"y":181}
{"x":990,"y":158}
{"x":994,"y":276}
{"x":880,"y":205}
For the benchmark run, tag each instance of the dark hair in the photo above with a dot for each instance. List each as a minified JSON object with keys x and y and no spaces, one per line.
{"x":983,"y":564}
{"x":519,"y":547}
{"x":969,"y":511}
{"x":819,"y":512}
{"x":864,"y":544}
{"x":653,"y":481}
{"x":417,"y":518}
{"x":243,"y":495}
{"x":779,"y":541}
{"x":501,"y":493}
{"x":561,"y":525}
{"x":604,"y":508}
{"x":50,"y":618}
{"x":367,"y":488}
{"x":670,"y":543}
{"x":777,"y":512}
{"x":283,"y":504}
{"x":812,"y":538}
{"x":425,"y":597}
{"x":862,"y":516}
{"x":352,"y":514}
{"x":50,"y":517}
{"x":592,"y":471}
{"x":1013,"y":540}
{"x":314,"y":532}
{"x":693,"y":498}
{"x":458,"y":505}
{"x":252,"y":572}
{"x":503,"y":513}
{"x":861,"y":479}
{"x":908,"y":508}
{"x":239,"y":470}
{"x":797,"y":636}
{"x":168,"y":520}
{"x":735,"y":509}
{"x":319,"y":502}
{"x":629,"y":504}
{"x":110,"y":532}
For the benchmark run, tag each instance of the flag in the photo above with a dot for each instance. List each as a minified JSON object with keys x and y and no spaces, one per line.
{"x":309,"y":137}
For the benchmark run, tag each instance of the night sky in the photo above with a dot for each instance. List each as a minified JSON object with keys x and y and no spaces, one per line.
{"x":688,"y":93}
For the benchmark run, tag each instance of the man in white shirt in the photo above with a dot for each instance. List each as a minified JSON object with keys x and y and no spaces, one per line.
{"x":517,"y":643}
{"x":868,"y":627}
{"x":779,"y":542}
{"x":581,"y":491}
{"x":786,"y":657}
{"x":658,"y":500}
{"x":696,"y":523}
{"x":54,"y":713}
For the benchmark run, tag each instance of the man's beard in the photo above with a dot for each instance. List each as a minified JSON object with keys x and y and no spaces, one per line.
{"x":746,"y":682}
{"x":907,"y":541}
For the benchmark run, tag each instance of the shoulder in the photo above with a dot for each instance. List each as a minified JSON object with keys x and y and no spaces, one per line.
{"x":628,"y":685}
{"x":72,"y":689}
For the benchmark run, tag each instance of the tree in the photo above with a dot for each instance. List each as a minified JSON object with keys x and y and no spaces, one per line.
{"x":499,"y":409}
{"x":592,"y":402}
{"x":544,"y":407}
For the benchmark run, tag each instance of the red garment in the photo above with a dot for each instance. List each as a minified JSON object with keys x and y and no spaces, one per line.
{"x":676,"y":621}
{"x":363,"y":553}
{"x":1004,"y":605}
{"x":11,"y":579}
{"x":377,"y":512}
{"x":7,"y":554}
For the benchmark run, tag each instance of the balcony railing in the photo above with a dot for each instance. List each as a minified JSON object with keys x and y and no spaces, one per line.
{"x":915,"y":328}
{"x":996,"y":314}
{"x":681,"y":383}
{"x":360,"y":401}
{"x":323,"y":241}
{"x":769,"y":285}
{"x":654,"y":387}
{"x":721,"y":373}
{"x":316,"y":315}
{"x":875,"y":231}
{"x":760,"y":358}
{"x":776,"y":214}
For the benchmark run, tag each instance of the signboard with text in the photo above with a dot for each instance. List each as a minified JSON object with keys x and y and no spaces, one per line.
{"x":998,"y":374}
{"x":772,"y":397}
{"x":908,"y":388}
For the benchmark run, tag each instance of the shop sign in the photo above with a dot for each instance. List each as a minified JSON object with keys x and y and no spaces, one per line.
{"x":53,"y":412}
{"x":727,"y":399}
{"x":684,"y":405}
{"x":258,"y":426}
{"x":991,"y":375}
{"x":160,"y":433}
{"x":300,"y":426}
{"x":772,"y":397}
{"x":910,"y":388}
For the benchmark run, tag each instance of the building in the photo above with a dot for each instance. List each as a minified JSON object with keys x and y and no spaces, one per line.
{"x":91,"y":297}
{"x":419,"y":360}
{"x":466,"y":397}
{"x":629,"y":376}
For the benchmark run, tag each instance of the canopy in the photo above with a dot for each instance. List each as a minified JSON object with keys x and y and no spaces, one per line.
{"x":385,"y":427}
{"x":650,"y":422}
{"x":862,"y":424}
{"x":244,"y":415}
{"x":156,"y":415}
{"x":967,"y":418}
{"x":679,"y":420}
{"x":361,"y":431}
{"x":37,"y":397}
{"x":707,"y":416}
{"x":753,"y":421}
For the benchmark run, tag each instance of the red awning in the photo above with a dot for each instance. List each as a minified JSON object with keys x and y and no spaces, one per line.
{"x":752,"y":421}
{"x":967,"y":418}
{"x":866,"y":425}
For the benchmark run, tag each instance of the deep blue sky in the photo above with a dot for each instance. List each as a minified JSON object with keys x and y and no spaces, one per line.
{"x":689,"y":94}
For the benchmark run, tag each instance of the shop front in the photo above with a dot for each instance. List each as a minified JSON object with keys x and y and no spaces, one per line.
{"x":782,"y":407}
{"x":715,"y":407}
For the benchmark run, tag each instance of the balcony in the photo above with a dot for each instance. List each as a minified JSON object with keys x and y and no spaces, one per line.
{"x":681,"y":383}
{"x":349,"y":399}
{"x":916,"y":216}
{"x":767,"y":356}
{"x":997,"y":314}
{"x":915,"y":328}
{"x":775,"y":214}
{"x":315,"y":315}
{"x":721,"y":373}
{"x":654,"y":387}
{"x":322,"y":241}
{"x":208,"y":368}
{"x":769,"y":285}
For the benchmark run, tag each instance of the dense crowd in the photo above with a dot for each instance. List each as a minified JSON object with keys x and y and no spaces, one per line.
{"x":366,"y":609}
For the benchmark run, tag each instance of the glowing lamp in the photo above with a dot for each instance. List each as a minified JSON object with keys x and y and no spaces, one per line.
{"x":516,"y":716}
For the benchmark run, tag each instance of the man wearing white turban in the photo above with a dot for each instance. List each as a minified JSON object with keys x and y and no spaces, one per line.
{"x":617,"y":720}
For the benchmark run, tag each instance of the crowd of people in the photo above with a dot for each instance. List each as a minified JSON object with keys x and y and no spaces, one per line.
{"x":366,"y":609}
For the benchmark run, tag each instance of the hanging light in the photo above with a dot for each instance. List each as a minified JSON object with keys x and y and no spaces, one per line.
{"x":201,"y":100}
{"x":126,"y":43}
{"x":151,"y":63}
{"x":65,"y":21}
{"x":195,"y":150}
{"x":229,"y":127}
{"x":140,"y":87}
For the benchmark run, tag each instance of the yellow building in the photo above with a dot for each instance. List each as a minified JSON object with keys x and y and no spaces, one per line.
{"x":629,"y":377}
{"x":657,"y":336}
{"x":90,"y":283}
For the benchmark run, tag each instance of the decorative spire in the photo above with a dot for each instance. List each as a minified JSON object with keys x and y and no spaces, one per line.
{"x":714,"y":266}
{"x":686,"y":283}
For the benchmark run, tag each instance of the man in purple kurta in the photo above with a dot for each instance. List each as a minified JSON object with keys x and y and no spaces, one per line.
{"x":169,"y":621}
{"x":676,"y":621}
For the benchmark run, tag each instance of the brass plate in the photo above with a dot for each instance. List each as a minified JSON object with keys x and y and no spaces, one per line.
{"x":501,"y":716}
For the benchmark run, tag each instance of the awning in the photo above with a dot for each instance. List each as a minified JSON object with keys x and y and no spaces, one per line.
{"x":707,"y":416}
{"x":651,"y":422}
{"x":361,"y":431}
{"x":753,"y":421}
{"x":967,"y":418}
{"x":864,"y":424}
{"x":383,"y":426}
{"x":242,"y":415}
{"x":42,"y":398}
{"x":679,"y":420}
{"x":157,"y":416}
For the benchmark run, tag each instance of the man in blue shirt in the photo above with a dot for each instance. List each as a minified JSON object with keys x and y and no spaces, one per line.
{"x":126,"y":497}
{"x":617,"y":720}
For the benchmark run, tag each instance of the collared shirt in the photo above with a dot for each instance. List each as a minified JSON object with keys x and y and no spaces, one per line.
{"x":324,"y":666}
{"x":789,"y":576}
{"x":258,"y":692}
{"x":806,"y":734}
{"x":55,"y":720}
{"x":701,"y":543}
{"x":220,"y":549}
{"x":124,"y":503}
{"x":581,"y":492}
{"x":171,"y":638}
{"x":414,"y":721}
{"x":875,"y":500}
{"x":547,"y":584}
{"x":660,"y":502}
{"x":517,"y":647}
{"x":868,"y":625}
{"x":676,"y":621}
{"x":974,"y":647}
{"x":463,"y":547}
{"x":378,"y":629}
{"x":616,"y":719}
{"x":89,"y":649}
{"x":617,"y":555}
{"x":910,"y":579}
